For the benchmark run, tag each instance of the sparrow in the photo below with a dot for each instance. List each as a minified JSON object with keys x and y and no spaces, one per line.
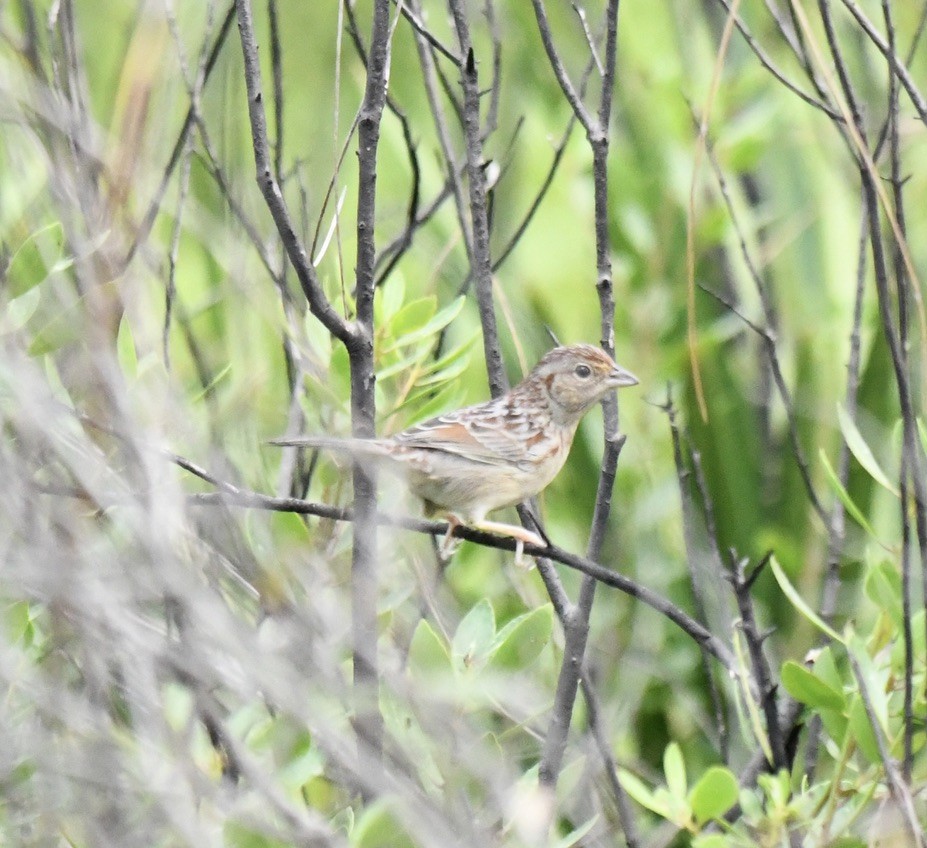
{"x":470,"y":462}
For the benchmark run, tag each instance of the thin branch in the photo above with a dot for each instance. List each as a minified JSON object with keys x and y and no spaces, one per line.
{"x":762,"y":674}
{"x":576,"y":631}
{"x":522,"y":227}
{"x":871,"y":192}
{"x":556,"y":63}
{"x":901,"y":287}
{"x":576,"y":623}
{"x":276,"y":64}
{"x":897,"y":66}
{"x":622,"y":803}
{"x":144,"y":228}
{"x":363,"y":408}
{"x":837,"y":526}
{"x":412,"y":16}
{"x":901,"y":792}
{"x":480,"y":260}
{"x":430,"y":80}
{"x":237,"y":496}
{"x":689,"y":539}
{"x":270,"y":189}
{"x":397,"y":248}
{"x":767,"y":63}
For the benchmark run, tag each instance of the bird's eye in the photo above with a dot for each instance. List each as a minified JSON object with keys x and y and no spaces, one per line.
{"x":582,"y":371}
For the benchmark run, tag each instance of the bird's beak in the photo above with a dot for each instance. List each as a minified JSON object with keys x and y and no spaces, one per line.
{"x":619,"y":377}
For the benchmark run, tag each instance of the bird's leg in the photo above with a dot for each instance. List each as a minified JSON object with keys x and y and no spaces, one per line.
{"x":521,"y":535}
{"x":448,"y":543}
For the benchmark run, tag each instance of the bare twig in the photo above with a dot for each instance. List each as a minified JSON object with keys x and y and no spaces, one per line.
{"x":898,"y":68}
{"x":762,"y":674}
{"x":144,"y":228}
{"x":770,"y":66}
{"x":430,"y":81}
{"x":556,"y":63}
{"x":871,"y":191}
{"x":363,"y":409}
{"x":252,"y":500}
{"x":901,"y":792}
{"x":480,"y":260}
{"x":904,"y":472}
{"x":622,"y":803}
{"x":689,"y":538}
{"x":270,"y":189}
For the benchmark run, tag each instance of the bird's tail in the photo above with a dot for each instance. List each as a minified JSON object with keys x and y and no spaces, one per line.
{"x":353,"y":447}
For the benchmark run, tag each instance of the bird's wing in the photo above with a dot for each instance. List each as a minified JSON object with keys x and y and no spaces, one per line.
{"x":494,"y":434}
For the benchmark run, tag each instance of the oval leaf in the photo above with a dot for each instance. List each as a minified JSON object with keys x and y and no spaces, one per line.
{"x":641,"y":793}
{"x":883,"y":586}
{"x":474,"y":636}
{"x":427,"y":651}
{"x":805,"y":686}
{"x":522,"y":639}
{"x":674,"y":768}
{"x":862,"y":731}
{"x":714,"y":794}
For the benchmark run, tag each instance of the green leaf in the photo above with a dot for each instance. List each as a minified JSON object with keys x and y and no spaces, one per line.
{"x":125,"y":349}
{"x":444,"y":375}
{"x":239,"y":835}
{"x":777,"y":788}
{"x":460,"y":352}
{"x":440,"y":400}
{"x":805,"y":686}
{"x":799,"y":602}
{"x":674,"y":768}
{"x":641,"y":793}
{"x":390,"y":297}
{"x":474,"y":637}
{"x":858,"y":447}
{"x":62,"y":327}
{"x":427,"y":651}
{"x":883,"y":586}
{"x":377,"y":827}
{"x":844,"y":496}
{"x":431,"y":326}
{"x":835,"y":723}
{"x":411,"y":318}
{"x":220,"y":376}
{"x":876,"y":677}
{"x":17,"y":618}
{"x":714,"y":794}
{"x":35,"y":259}
{"x":22,"y":308}
{"x":575,"y":836}
{"x":862,"y":731}
{"x":710,"y":840}
{"x":825,"y":667}
{"x":519,"y":643}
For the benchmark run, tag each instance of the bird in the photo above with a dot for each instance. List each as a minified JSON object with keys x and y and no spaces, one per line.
{"x":467,"y":463}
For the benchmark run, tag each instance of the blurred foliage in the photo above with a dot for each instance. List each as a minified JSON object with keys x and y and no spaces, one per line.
{"x":179,"y":673}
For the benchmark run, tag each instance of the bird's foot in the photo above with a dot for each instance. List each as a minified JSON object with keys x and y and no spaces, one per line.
{"x":521,"y":535}
{"x":449,"y":544}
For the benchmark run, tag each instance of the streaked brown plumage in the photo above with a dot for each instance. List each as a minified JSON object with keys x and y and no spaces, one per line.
{"x":474,"y":460}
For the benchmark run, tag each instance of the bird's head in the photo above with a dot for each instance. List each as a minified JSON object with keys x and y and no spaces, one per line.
{"x":576,"y":377}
